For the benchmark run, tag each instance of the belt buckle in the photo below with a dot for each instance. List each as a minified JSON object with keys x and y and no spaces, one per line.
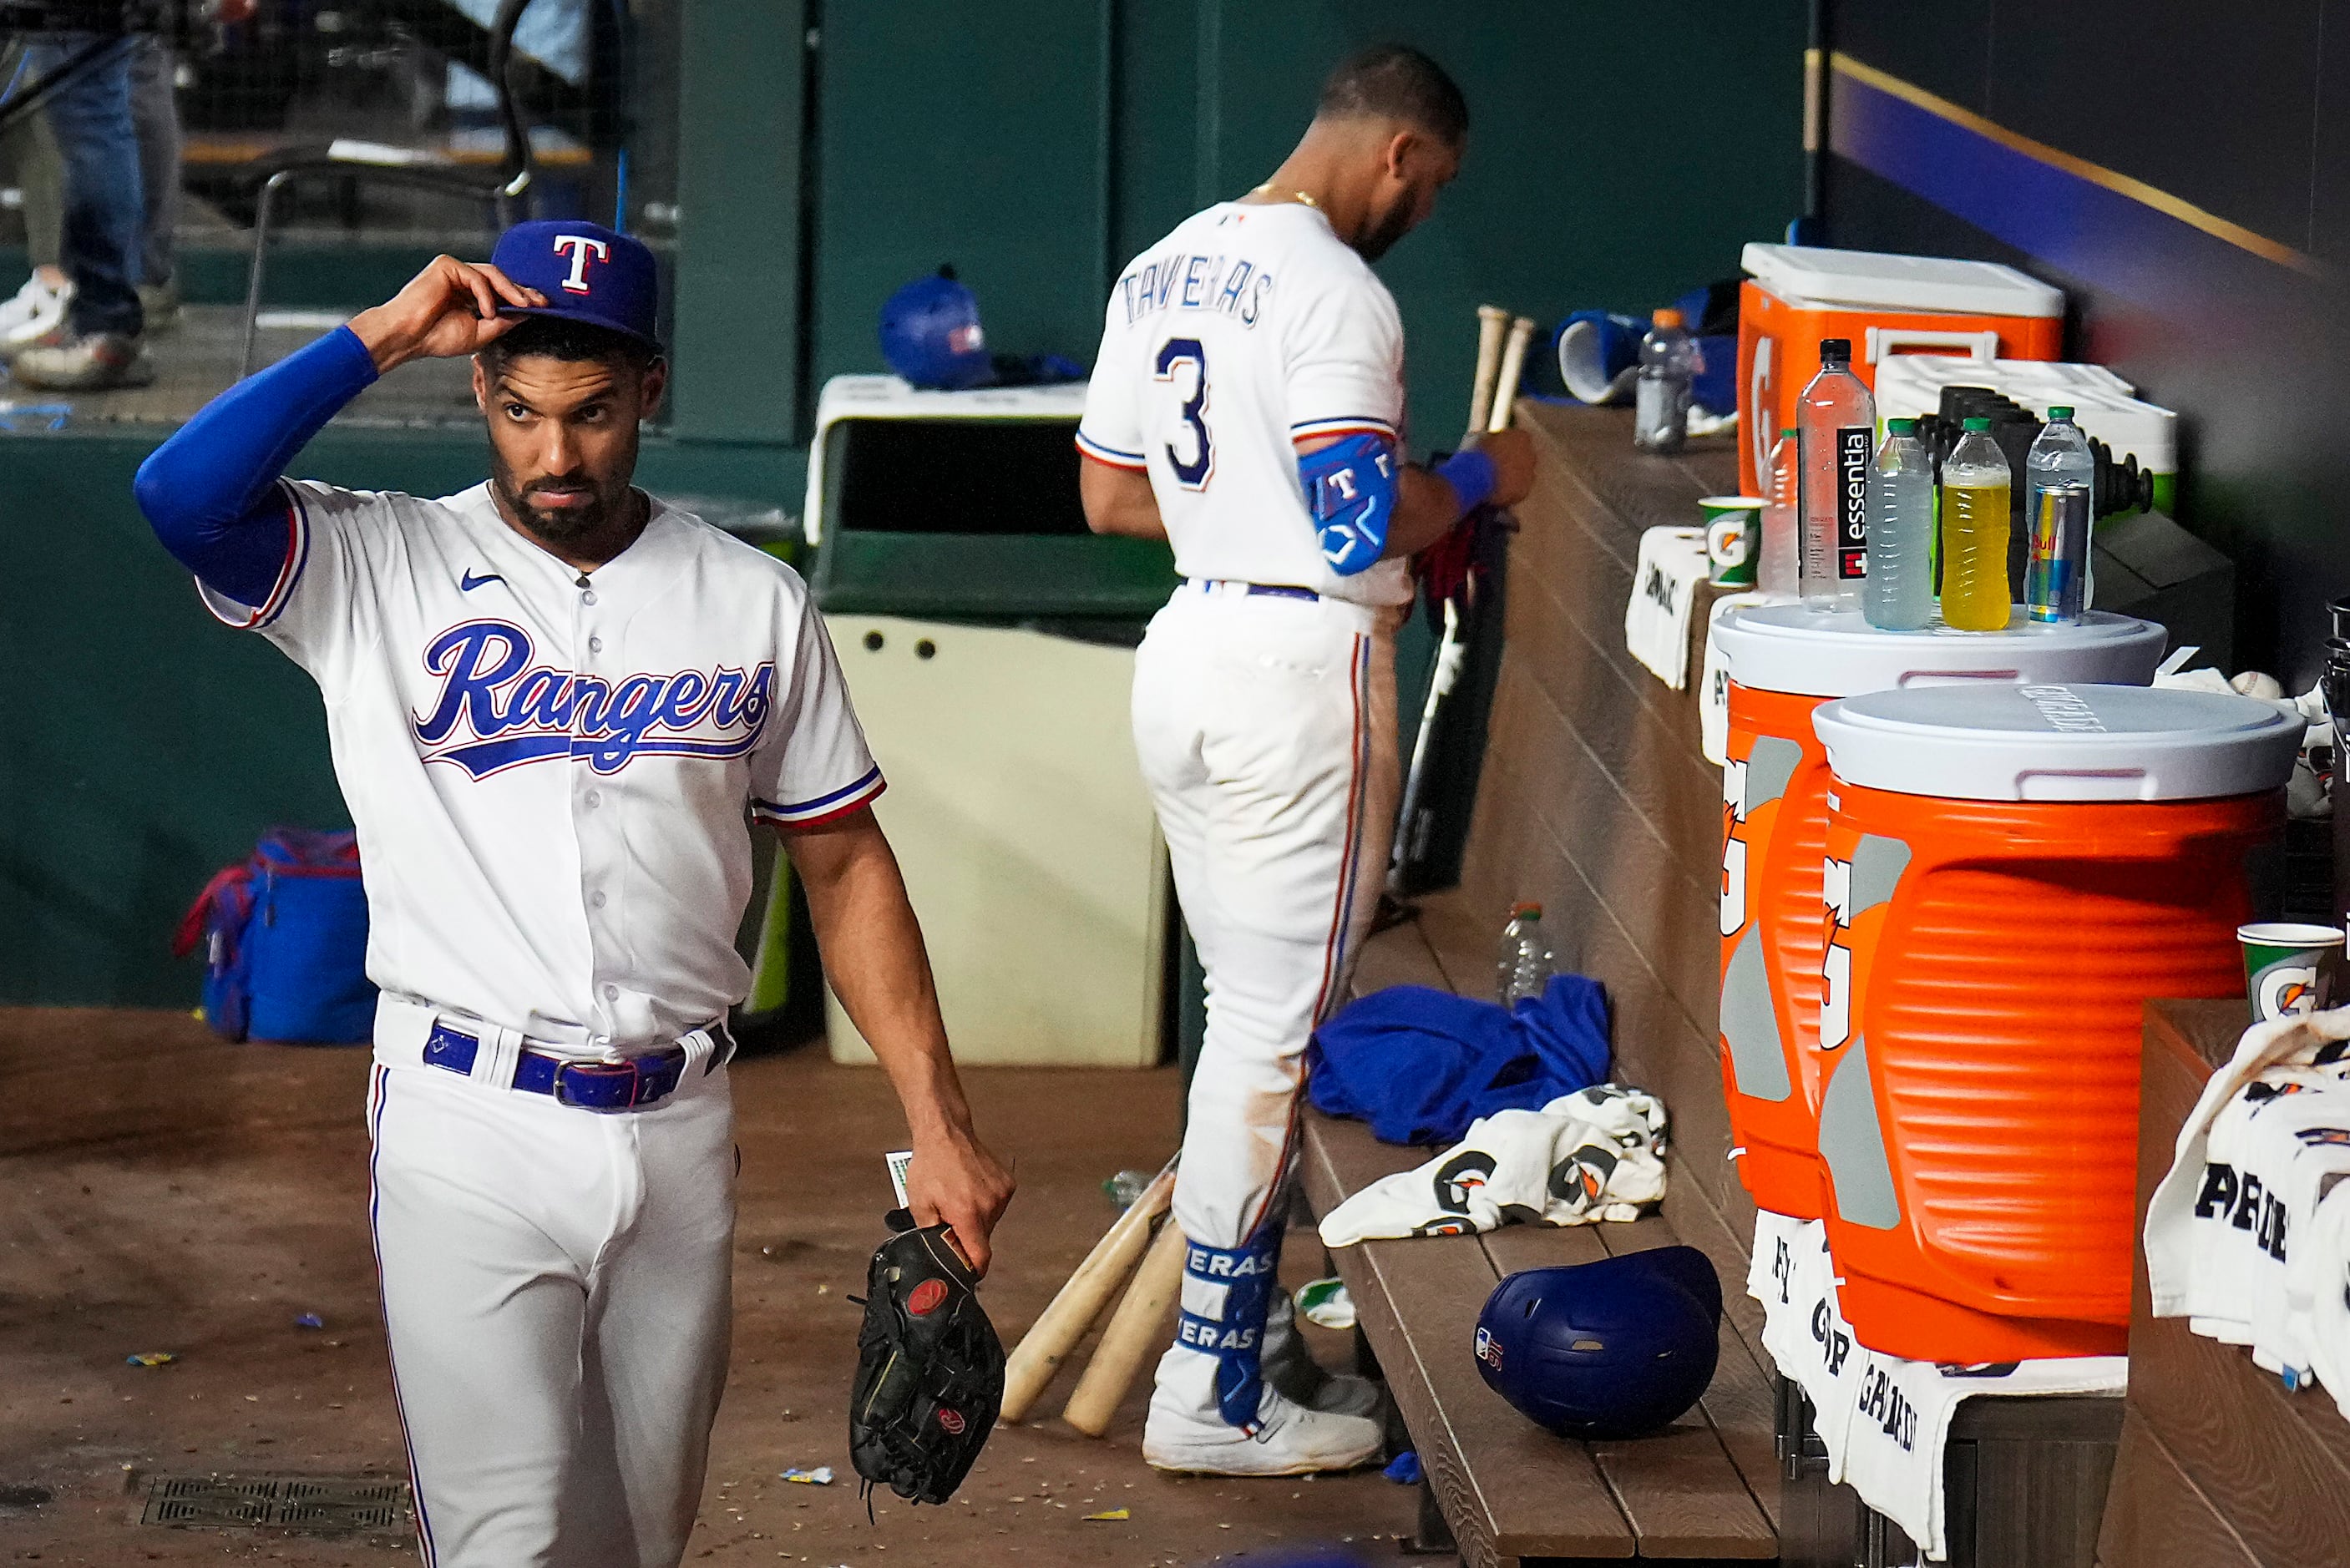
{"x":604,"y":1077}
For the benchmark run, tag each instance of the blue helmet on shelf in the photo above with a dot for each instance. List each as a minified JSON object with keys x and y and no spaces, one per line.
{"x":931,"y":334}
{"x":1611,"y":1349}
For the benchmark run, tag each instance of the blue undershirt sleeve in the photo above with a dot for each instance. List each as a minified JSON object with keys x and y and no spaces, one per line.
{"x":211,"y":492}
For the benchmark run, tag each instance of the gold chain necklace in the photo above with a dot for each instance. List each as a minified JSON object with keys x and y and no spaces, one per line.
{"x":1298,"y":196}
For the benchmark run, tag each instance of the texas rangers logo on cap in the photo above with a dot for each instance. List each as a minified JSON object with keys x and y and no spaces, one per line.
{"x":587,"y":272}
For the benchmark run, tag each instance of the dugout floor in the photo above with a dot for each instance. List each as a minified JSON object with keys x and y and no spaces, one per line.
{"x":161,"y":1191}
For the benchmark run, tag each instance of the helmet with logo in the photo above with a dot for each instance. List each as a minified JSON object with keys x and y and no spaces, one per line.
{"x":1611,"y":1349}
{"x":931,"y":334}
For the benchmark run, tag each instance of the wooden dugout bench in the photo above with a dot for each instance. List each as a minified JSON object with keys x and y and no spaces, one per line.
{"x":1504,"y":1492}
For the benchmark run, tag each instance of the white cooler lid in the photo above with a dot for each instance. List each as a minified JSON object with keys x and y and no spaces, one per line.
{"x":1810,"y":653}
{"x":1885,"y":281}
{"x":2059,"y":742}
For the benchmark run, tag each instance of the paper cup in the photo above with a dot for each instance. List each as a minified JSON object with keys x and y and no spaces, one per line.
{"x":2287,"y":971}
{"x":1733,"y":539}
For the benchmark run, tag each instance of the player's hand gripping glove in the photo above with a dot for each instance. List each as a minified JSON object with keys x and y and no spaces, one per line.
{"x":929,"y":1370}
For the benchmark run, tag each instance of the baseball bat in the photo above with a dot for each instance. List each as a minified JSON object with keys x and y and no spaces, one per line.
{"x":1135,"y":1333}
{"x":1513,"y":366}
{"x":1031,"y":1364}
{"x":1491,"y":322}
{"x":1498,"y":367}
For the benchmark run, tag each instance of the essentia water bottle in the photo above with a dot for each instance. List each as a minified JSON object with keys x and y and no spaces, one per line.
{"x":1524,"y":966}
{"x":1898,"y":595}
{"x":2060,"y":477}
{"x":1976,"y":481}
{"x":1661,"y":394}
{"x":1835,"y":434}
{"x":1780,"y":574}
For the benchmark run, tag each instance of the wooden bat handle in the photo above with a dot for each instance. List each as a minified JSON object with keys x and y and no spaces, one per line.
{"x":1137,"y":1331}
{"x":1031,"y":1365}
{"x":1491,"y":322}
{"x":1513,"y":366}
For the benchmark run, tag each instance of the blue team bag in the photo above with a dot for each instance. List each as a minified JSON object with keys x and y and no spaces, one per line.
{"x":285,"y":940}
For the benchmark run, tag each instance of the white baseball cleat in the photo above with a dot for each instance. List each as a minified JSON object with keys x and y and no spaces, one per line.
{"x":1185,"y":1433}
{"x":34,"y":311}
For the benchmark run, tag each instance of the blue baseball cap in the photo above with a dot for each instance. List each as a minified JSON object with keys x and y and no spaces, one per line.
{"x":587,"y":272}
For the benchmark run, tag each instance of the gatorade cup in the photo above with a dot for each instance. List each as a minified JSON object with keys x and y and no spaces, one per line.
{"x":2286,"y":967}
{"x":1733,"y":539}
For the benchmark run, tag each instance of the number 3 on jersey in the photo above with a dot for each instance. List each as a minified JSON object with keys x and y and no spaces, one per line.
{"x":1191,"y":473}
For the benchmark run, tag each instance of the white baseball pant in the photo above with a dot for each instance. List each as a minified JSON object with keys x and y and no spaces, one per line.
{"x":557,"y":1288}
{"x":1266,"y":730}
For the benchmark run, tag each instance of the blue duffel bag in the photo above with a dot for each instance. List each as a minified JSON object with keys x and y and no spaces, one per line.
{"x":285,"y":940}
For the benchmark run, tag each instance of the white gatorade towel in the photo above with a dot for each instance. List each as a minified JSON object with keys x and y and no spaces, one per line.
{"x":1885,"y":1422}
{"x":1595,"y":1154}
{"x":1664,"y":589}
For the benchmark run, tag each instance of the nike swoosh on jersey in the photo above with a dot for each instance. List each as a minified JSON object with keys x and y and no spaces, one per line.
{"x":469,"y":582}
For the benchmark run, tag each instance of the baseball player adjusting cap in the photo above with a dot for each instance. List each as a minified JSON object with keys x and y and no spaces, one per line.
{"x":587,"y":272}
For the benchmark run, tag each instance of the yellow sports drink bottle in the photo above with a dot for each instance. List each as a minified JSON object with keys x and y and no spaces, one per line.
{"x":1975,"y":485}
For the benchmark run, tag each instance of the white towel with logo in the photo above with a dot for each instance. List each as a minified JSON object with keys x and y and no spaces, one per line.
{"x":1885,"y":1422}
{"x":2317,"y":1280}
{"x":1672,"y":563}
{"x":1595,"y":1154}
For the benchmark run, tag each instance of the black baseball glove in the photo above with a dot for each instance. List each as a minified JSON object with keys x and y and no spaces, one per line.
{"x":929,"y":1370}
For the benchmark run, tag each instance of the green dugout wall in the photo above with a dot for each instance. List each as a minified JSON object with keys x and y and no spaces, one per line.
{"x":1622,"y":151}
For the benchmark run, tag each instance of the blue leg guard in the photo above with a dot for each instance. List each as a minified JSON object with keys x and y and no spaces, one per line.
{"x":1225,"y":1293}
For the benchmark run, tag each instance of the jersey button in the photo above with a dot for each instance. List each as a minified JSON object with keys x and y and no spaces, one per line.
{"x":611,"y":993}
{"x":595,"y":645}
{"x":594,"y":799}
{"x":588,"y":597}
{"x":596,"y":900}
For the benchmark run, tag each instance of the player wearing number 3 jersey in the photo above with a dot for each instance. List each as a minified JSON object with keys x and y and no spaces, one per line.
{"x":1247,"y":406}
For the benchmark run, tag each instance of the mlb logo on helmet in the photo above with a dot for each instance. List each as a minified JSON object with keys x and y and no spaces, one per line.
{"x":1488,"y":1351}
{"x":589,"y":274}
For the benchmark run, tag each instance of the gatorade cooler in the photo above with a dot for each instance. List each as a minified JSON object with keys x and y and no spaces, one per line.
{"x":1886,"y":304}
{"x":1785,"y":660}
{"x":2011,"y":872}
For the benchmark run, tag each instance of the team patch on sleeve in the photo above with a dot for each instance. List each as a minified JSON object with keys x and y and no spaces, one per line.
{"x":824,"y":809}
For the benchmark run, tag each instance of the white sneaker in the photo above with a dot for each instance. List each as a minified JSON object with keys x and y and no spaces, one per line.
{"x":96,"y":363}
{"x":35,"y":311}
{"x":1185,"y":1433}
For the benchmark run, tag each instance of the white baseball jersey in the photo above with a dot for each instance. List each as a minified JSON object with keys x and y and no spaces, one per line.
{"x":1249,"y":327}
{"x":550,"y":774}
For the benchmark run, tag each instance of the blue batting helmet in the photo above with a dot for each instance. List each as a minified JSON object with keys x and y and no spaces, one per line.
{"x":931,"y":334}
{"x":1611,"y":1349}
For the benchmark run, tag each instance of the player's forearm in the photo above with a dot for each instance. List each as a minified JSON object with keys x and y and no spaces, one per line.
{"x":1425,"y":509}
{"x":1118,"y":501}
{"x":874,"y":957}
{"x":208,"y":492}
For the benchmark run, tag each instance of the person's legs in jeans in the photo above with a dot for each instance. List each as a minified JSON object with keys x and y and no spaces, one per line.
{"x":155,"y":114}
{"x":103,"y":205}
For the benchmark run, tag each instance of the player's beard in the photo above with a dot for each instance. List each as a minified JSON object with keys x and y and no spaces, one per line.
{"x":611,"y":506}
{"x":1385,"y":229}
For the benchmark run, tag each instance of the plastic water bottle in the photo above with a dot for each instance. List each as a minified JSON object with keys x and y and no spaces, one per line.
{"x":2060,"y":477}
{"x":1976,"y":483}
{"x":1661,"y":396}
{"x":1524,"y":969}
{"x":1835,"y":426}
{"x":1898,"y":594}
{"x":1780,"y":573}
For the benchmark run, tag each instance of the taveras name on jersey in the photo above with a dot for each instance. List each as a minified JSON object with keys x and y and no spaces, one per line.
{"x":1251,"y":327}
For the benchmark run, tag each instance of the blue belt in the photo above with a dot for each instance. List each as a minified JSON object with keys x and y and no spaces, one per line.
{"x":1260,"y":590}
{"x":628,"y":1084}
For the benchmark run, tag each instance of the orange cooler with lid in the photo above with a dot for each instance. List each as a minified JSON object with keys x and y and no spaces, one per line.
{"x":1785,"y":661}
{"x":2011,"y":873}
{"x":1886,"y":304}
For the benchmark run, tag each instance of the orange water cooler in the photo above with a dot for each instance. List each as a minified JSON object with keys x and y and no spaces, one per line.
{"x":1785,"y":661}
{"x":1884,"y":305}
{"x":2010,"y":873}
